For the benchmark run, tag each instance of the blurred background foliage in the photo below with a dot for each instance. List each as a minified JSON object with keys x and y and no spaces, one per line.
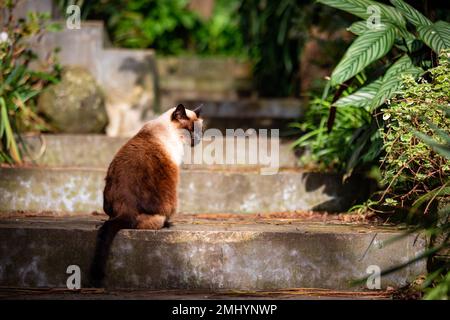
{"x":169,"y":27}
{"x":271,"y":34}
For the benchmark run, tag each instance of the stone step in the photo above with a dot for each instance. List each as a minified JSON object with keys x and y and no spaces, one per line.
{"x":287,"y":108}
{"x":70,"y":150}
{"x":208,"y":254}
{"x":195,"y":77}
{"x":73,"y":190}
{"x":249,"y":113}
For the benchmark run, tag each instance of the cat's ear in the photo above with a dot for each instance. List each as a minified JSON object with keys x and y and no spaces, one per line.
{"x":198,"y":111}
{"x":179,"y":113}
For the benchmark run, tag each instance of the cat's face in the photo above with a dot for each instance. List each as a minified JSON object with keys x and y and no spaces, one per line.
{"x":189,"y":122}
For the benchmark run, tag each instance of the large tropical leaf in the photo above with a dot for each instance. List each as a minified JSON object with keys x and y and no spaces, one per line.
{"x":392,"y":80}
{"x":358,"y":27}
{"x":402,"y":64}
{"x":368,"y":47}
{"x":360,"y":8}
{"x":414,"y":16}
{"x":436,"y":36}
{"x":376,"y":93}
{"x":362,"y":97}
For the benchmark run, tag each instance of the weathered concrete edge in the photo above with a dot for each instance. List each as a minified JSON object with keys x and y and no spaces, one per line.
{"x":201,"y":191}
{"x":207,"y":260}
{"x":95,"y":150}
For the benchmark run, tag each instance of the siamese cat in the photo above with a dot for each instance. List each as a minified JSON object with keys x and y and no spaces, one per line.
{"x":142,"y":179}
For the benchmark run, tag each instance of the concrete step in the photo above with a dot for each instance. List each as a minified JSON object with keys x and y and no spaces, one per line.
{"x":249,"y":113}
{"x":195,"y":77}
{"x":211,"y":254}
{"x":73,"y":190}
{"x":91,"y":150}
{"x":288,"y":108}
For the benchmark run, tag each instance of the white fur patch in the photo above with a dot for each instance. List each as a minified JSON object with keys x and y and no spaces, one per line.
{"x":169,"y":136}
{"x":174,"y":146}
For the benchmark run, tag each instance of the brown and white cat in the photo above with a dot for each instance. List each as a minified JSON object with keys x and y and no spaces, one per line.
{"x":142,"y":179}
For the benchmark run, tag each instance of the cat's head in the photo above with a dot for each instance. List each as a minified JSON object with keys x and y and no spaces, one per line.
{"x":189,"y":122}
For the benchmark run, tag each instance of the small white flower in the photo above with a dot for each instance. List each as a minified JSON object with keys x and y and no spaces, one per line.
{"x":3,"y":37}
{"x":386,"y":116}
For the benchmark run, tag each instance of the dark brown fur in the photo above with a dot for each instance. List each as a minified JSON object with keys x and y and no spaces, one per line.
{"x":140,"y":190}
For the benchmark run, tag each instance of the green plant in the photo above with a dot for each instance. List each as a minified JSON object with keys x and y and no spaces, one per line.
{"x":170,"y":27}
{"x":274,"y":39}
{"x":19,"y":84}
{"x":404,"y":42}
{"x":441,"y":148}
{"x":334,"y":150}
{"x":441,"y":291}
{"x":402,"y":30}
{"x":411,"y":167}
{"x":220,"y":34}
{"x":416,"y":168}
{"x":437,"y":284}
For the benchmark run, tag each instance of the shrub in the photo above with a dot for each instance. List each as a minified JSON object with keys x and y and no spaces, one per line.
{"x":411,"y":168}
{"x":19,"y":84}
{"x":404,"y":43}
{"x":333,"y":151}
{"x":416,"y":167}
{"x":402,"y":29}
{"x":170,"y":27}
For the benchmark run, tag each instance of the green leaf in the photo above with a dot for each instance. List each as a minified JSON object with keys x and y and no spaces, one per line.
{"x":15,"y":74}
{"x":54,"y":27}
{"x":367,"y":48}
{"x":441,"y":133}
{"x":414,"y":16}
{"x":362,"y":97}
{"x":402,"y":64}
{"x":392,"y":80}
{"x":11,"y":144}
{"x":360,"y":8}
{"x":442,"y":149}
{"x":358,"y":27}
{"x":391,"y":86}
{"x":439,"y":191}
{"x":436,"y":36}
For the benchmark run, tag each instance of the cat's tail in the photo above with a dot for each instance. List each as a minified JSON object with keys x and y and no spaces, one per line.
{"x":105,"y":237}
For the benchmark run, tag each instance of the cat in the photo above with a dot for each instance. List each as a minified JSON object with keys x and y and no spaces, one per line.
{"x":141,"y":182}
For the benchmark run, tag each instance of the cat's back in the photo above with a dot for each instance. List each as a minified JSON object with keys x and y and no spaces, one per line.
{"x":141,"y":171}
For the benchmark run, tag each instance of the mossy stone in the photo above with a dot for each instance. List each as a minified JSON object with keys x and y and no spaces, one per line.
{"x":76,"y":104}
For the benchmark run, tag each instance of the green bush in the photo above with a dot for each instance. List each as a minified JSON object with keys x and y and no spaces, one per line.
{"x":405,"y":43}
{"x":411,"y":168}
{"x":333,"y":151}
{"x":170,"y":27}
{"x":403,"y":31}
{"x":416,"y":168}
{"x":19,"y":84}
